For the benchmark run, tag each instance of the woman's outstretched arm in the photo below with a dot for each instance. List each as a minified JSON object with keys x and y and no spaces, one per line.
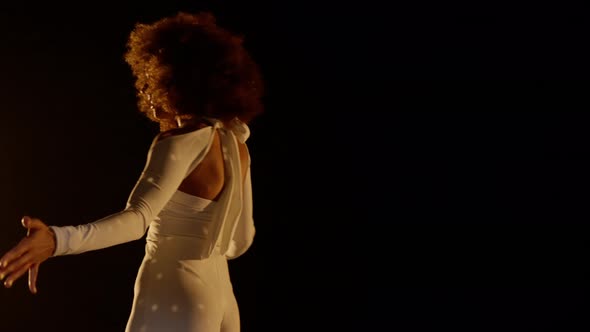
{"x":168,"y":162}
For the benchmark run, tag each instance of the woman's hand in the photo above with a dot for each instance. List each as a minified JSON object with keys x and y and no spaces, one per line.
{"x":28,"y":254}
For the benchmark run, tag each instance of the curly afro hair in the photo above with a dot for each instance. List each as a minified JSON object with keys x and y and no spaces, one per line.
{"x":187,"y":67}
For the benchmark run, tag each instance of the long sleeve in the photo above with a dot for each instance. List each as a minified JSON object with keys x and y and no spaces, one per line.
{"x":168,"y":162}
{"x":245,"y":230}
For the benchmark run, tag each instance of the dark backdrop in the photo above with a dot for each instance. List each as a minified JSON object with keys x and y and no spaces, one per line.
{"x":419,"y":167}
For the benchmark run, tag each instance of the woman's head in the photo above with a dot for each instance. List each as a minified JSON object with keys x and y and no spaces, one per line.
{"x":187,"y":66}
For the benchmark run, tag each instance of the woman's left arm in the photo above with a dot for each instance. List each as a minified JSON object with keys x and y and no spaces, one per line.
{"x":167,"y":163}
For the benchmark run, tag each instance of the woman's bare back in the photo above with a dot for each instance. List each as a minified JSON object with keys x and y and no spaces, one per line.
{"x":207,"y":179}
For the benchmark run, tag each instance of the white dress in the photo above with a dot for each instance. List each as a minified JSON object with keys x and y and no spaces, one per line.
{"x":183,"y":283}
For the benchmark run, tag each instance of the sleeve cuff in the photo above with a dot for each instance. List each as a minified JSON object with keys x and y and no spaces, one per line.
{"x":60,"y":239}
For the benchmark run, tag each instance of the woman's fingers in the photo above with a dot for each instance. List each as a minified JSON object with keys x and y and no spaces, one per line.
{"x":33,"y":272}
{"x":17,"y":264}
{"x":22,"y":247}
{"x":33,"y":223}
{"x":25,"y":221}
{"x":16,"y":274}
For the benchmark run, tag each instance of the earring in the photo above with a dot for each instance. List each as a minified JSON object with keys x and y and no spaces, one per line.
{"x":154,"y":112}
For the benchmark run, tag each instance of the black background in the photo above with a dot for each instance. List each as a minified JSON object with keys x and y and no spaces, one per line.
{"x":419,"y":167}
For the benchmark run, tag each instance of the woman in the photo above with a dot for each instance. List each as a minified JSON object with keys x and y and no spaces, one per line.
{"x":198,"y":82}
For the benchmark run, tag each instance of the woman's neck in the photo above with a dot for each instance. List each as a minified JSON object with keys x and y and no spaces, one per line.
{"x":199,"y":122}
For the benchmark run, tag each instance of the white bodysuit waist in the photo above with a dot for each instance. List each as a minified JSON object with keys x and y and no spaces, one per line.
{"x":183,"y":225}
